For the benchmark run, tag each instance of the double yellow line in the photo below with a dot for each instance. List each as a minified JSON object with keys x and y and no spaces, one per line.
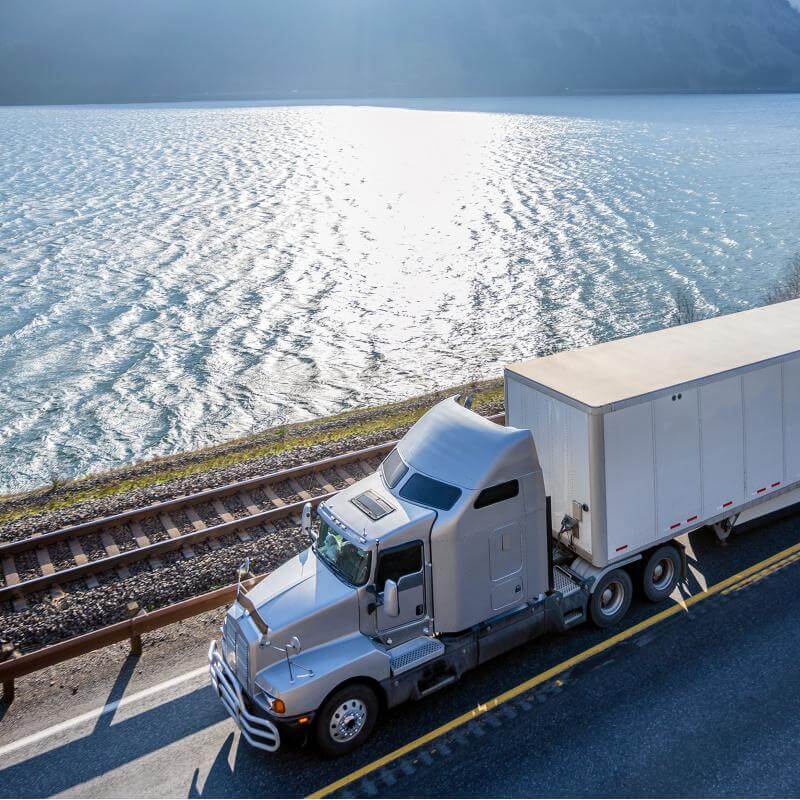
{"x":735,"y":582}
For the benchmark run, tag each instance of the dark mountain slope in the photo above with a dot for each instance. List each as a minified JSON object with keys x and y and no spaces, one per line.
{"x":115,"y":50}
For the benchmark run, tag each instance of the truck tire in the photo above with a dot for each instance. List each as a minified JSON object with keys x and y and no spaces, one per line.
{"x":346,"y":719}
{"x":611,"y":598}
{"x":661,"y":573}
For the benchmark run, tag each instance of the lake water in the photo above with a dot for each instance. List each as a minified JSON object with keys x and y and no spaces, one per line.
{"x":173,"y":276}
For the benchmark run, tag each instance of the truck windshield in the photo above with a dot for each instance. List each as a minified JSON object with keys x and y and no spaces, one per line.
{"x":348,"y":561}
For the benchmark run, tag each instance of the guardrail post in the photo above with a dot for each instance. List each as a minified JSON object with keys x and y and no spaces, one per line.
{"x":136,"y":638}
{"x":6,"y":654}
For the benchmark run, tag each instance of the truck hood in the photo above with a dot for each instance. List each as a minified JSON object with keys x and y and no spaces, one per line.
{"x":403,"y":517}
{"x":304,"y":598}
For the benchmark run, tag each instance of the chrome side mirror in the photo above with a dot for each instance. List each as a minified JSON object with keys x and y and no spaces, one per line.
{"x":242,"y":574}
{"x":305,"y":522}
{"x":391,"y":599}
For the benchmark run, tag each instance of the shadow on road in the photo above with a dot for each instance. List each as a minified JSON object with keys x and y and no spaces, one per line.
{"x":111,"y":745}
{"x":117,"y":690}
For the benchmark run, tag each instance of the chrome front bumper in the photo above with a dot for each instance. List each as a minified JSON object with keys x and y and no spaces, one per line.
{"x":258,"y":731}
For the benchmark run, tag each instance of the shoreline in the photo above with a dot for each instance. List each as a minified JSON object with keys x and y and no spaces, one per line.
{"x":102,"y":493}
{"x":381,"y":100}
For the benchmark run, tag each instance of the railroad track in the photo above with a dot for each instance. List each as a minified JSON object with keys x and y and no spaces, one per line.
{"x":105,"y":548}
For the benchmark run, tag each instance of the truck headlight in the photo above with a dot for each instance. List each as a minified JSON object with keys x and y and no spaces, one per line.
{"x":230,"y":657}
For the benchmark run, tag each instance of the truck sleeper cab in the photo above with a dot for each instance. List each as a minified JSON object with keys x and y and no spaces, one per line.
{"x":448,"y":555}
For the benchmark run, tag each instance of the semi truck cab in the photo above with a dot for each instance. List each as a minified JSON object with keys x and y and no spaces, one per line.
{"x":437,"y":562}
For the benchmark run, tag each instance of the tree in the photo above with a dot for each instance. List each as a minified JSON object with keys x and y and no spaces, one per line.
{"x":685,"y":310}
{"x":787,"y":285}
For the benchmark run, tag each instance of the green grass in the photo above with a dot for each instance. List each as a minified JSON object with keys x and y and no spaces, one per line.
{"x":281,"y":440}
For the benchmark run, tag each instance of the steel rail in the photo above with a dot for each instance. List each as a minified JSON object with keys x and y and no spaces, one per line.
{"x":156,"y":548}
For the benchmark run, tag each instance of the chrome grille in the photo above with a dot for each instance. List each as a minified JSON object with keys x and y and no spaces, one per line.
{"x":234,"y":641}
{"x":242,"y":659}
{"x":228,"y":634}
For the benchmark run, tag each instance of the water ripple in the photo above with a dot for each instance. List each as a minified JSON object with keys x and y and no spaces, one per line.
{"x":176,"y":275}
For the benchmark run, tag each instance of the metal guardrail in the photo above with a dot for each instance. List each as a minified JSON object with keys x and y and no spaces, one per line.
{"x":129,"y":629}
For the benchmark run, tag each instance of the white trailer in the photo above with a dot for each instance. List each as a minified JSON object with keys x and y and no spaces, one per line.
{"x":648,"y":437}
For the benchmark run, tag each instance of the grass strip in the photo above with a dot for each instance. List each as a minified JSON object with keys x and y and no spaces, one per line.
{"x":282,"y":440}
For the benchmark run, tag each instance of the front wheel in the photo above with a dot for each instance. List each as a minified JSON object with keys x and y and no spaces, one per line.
{"x":611,"y":598}
{"x":346,"y":719}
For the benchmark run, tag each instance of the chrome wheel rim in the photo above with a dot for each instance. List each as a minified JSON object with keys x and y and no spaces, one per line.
{"x":612,"y":598}
{"x":347,"y":721}
{"x":663,"y":573}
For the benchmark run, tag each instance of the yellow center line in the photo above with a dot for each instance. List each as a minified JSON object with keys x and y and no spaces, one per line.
{"x":774,"y":567}
{"x":745,"y":577}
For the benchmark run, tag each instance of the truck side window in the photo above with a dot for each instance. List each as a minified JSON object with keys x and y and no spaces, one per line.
{"x":393,"y":469}
{"x":430,"y":492}
{"x":497,"y":493}
{"x":406,"y":560}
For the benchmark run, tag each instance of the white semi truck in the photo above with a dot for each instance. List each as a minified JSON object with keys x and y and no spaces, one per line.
{"x":473,"y":538}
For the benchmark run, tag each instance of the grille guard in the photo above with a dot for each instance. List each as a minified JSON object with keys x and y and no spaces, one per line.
{"x":258,"y":731}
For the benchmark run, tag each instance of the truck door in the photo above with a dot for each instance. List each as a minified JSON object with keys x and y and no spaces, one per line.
{"x":404,"y":565}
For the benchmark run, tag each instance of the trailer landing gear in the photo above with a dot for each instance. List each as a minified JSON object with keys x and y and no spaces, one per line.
{"x":724,"y":528}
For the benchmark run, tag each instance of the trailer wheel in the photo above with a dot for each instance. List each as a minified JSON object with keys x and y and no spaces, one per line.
{"x":611,"y":598}
{"x":661,"y":573}
{"x":346,"y":719}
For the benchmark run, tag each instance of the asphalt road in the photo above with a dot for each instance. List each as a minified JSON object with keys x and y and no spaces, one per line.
{"x":702,"y":705}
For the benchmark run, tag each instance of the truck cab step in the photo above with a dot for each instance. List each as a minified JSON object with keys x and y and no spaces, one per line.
{"x":439,"y":683}
{"x":574,"y":617}
{"x":411,"y":654}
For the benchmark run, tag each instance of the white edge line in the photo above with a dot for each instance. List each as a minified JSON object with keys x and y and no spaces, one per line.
{"x":109,"y":708}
